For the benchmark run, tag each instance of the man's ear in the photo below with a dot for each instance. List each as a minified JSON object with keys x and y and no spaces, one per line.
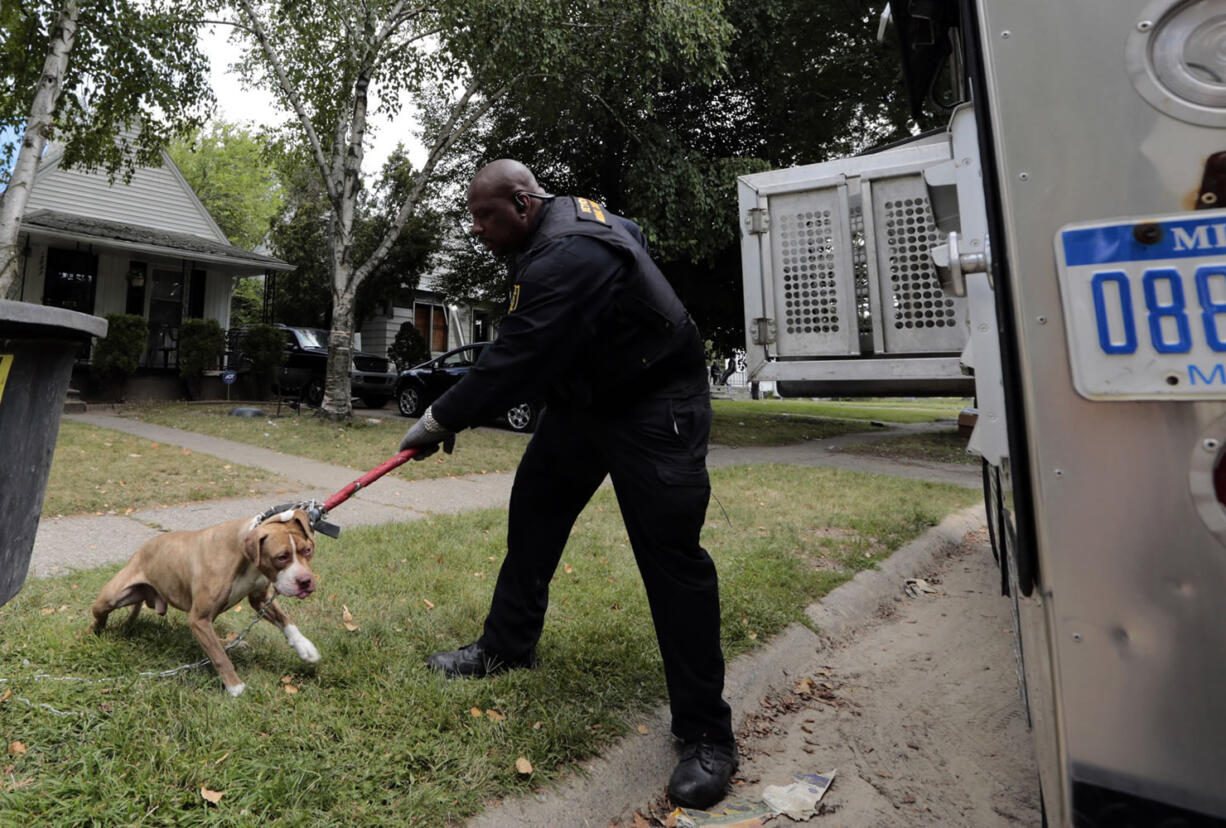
{"x":251,"y":543}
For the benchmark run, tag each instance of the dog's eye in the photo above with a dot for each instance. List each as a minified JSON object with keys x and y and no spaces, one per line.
{"x":283,"y":558}
{"x":306,"y":553}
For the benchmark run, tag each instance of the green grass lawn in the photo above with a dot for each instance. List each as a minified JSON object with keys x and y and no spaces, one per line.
{"x":361,"y":444}
{"x":97,"y":470}
{"x":935,"y":446}
{"x":883,"y":409}
{"x":368,"y":736}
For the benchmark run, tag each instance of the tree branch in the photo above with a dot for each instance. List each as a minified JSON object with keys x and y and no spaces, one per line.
{"x":274,"y":60}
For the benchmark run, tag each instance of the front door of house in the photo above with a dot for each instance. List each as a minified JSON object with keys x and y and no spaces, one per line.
{"x":165,"y":317}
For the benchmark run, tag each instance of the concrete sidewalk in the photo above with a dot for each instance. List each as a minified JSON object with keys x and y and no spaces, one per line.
{"x":82,"y":542}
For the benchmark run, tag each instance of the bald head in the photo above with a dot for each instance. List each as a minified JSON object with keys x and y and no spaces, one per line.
{"x":503,"y":177}
{"x":503,"y":220}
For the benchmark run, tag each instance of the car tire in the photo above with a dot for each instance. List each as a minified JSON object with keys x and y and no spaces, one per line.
{"x":313,"y":392}
{"x":522,"y":417}
{"x":410,"y":401}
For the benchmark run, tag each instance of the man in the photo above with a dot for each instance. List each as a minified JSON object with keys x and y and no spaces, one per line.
{"x":594,"y":326}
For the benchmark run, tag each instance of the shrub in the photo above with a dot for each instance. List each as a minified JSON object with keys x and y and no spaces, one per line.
{"x":117,"y":356}
{"x":408,"y":348}
{"x":201,"y":346}
{"x":263,"y":352}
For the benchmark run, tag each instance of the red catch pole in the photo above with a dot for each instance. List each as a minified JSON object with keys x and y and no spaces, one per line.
{"x":368,"y":478}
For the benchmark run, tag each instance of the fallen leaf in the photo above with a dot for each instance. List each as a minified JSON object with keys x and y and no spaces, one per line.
{"x":535,"y":725}
{"x":187,"y":451}
{"x":523,"y":766}
{"x":642,"y":729}
{"x":428,"y":602}
{"x":805,"y":685}
{"x":238,"y":607}
{"x":640,"y":821}
{"x":291,"y":689}
{"x":211,"y":796}
{"x":476,"y":712}
{"x":495,"y":716}
{"x":16,"y":749}
{"x":347,"y":617}
{"x":753,"y":635}
{"x":569,"y":569}
{"x":287,"y":679}
{"x":6,"y":696}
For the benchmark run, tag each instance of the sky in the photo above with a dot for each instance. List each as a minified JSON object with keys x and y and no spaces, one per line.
{"x":253,"y":106}
{"x":236,"y":103}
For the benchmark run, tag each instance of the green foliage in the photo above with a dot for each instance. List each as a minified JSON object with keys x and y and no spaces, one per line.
{"x":117,"y":356}
{"x":409,"y":348}
{"x":132,"y":63}
{"x":247,"y":302}
{"x":300,"y":236}
{"x":231,"y":170}
{"x":263,"y":351}
{"x":800,"y":82}
{"x":201,"y":346}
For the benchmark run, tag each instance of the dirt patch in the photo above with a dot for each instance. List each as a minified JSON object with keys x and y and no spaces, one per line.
{"x":919,"y":714}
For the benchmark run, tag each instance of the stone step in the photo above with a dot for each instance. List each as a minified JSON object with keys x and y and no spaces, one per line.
{"x":73,"y":404}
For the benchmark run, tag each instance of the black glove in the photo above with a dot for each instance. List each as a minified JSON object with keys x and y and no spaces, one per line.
{"x":425,"y":435}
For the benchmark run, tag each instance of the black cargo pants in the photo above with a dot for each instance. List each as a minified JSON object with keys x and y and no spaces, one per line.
{"x":655,"y":454}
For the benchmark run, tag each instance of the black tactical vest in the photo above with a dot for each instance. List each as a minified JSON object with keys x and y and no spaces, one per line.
{"x":647,"y":345}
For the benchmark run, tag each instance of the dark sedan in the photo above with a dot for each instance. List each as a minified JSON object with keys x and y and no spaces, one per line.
{"x":423,"y":384}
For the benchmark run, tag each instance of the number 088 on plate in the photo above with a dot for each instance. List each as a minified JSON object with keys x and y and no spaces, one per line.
{"x":1145,"y":306}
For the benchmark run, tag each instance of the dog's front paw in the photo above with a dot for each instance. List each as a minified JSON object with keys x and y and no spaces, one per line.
{"x":301,"y":644}
{"x":236,"y":690}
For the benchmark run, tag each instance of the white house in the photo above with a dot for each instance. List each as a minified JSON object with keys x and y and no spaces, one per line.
{"x":442,"y":324}
{"x":146,"y":246}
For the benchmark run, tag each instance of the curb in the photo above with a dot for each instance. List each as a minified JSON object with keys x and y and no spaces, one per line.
{"x":607,"y":789}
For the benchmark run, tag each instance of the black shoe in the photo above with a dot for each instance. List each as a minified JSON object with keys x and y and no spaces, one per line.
{"x":701,"y":777}
{"x":474,"y":661}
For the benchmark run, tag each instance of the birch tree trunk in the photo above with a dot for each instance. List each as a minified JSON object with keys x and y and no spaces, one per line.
{"x":38,"y":129}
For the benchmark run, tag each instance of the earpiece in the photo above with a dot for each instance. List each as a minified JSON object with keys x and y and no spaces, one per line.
{"x":521,"y":197}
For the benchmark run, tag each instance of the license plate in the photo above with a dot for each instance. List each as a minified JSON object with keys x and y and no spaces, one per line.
{"x":1145,"y":306}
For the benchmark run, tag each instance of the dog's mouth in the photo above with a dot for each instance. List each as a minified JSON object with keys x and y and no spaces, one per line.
{"x":295,"y":591}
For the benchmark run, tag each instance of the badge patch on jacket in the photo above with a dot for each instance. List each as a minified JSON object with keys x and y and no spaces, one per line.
{"x":591,"y":211}
{"x":514,"y":299}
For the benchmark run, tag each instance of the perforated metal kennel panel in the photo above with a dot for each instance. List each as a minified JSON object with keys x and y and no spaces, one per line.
{"x":917,"y":316}
{"x":811,"y":262}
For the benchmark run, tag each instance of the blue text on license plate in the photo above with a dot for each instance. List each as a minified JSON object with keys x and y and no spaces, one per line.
{"x":1145,"y":306}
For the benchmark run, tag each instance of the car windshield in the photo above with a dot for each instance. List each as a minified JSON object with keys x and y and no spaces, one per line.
{"x":459,"y":358}
{"x":312,"y":337}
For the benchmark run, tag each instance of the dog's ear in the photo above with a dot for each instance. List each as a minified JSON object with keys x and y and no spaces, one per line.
{"x":305,"y":522}
{"x":251,"y":543}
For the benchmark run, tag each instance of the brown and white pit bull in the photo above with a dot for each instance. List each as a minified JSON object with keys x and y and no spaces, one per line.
{"x":207,"y":571}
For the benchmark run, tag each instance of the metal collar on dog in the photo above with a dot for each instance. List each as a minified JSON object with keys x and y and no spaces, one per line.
{"x":315,"y":514}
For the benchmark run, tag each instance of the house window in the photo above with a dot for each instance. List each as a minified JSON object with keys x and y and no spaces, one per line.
{"x":481,"y":326}
{"x":72,"y":280}
{"x":431,"y":323}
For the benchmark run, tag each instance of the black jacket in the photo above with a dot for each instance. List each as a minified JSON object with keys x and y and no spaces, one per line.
{"x":592,"y":323}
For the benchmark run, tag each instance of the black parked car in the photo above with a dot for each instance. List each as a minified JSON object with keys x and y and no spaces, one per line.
{"x":423,"y":384}
{"x":306,"y":364}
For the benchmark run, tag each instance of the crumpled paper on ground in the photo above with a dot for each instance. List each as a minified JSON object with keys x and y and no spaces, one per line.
{"x":799,"y":800}
{"x":738,"y":814}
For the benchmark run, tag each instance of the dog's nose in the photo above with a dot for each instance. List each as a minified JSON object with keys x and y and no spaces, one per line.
{"x":306,"y":584}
